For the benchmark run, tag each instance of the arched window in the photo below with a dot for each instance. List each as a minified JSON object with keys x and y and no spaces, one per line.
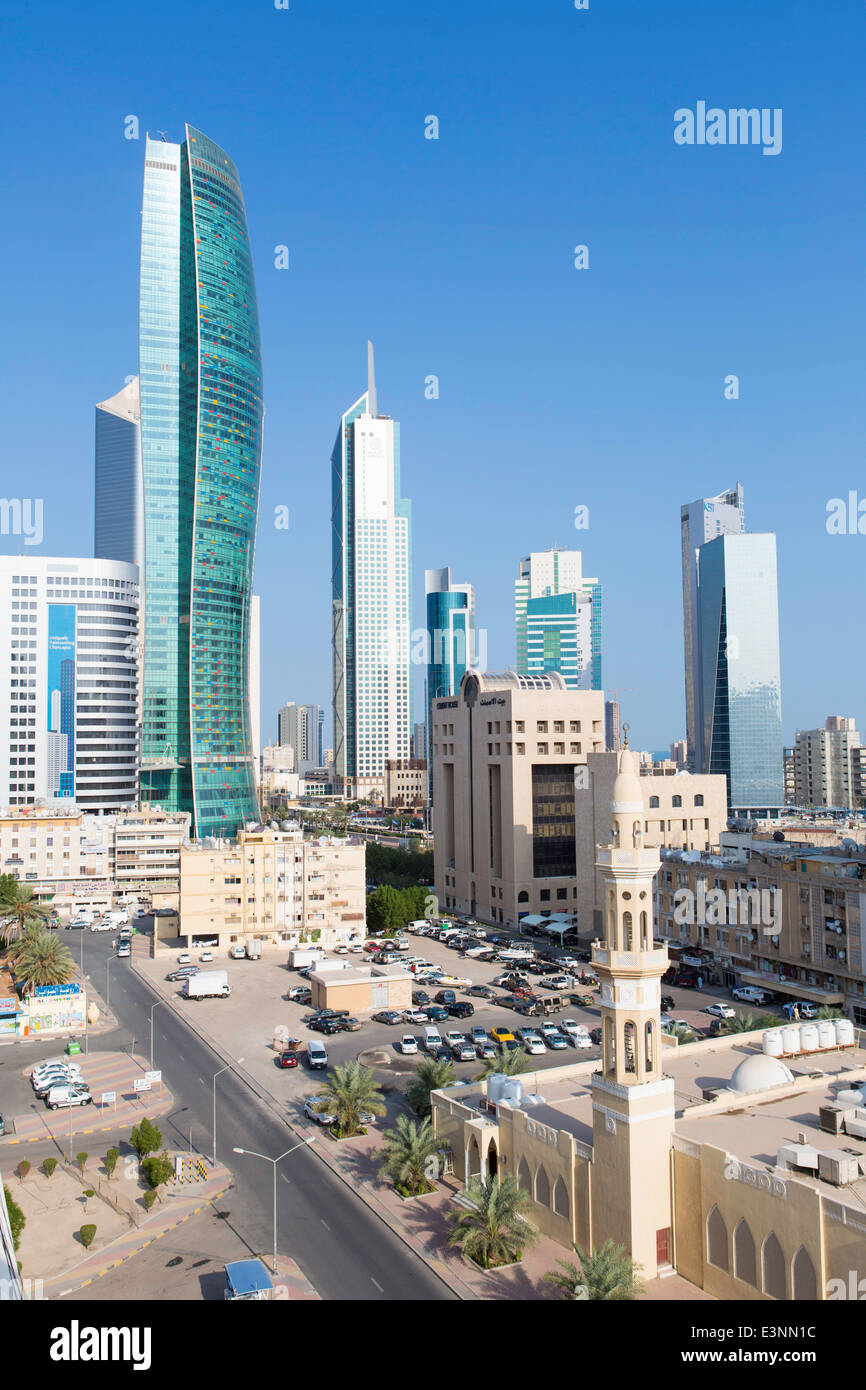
{"x":773,"y":1268}
{"x":628,"y":943}
{"x":699,"y":801}
{"x":677,"y":801}
{"x":523,"y":896}
{"x":717,"y":1240}
{"x":561,"y":1204}
{"x":628,"y":1039}
{"x":524,"y":1177}
{"x":649,"y":1044}
{"x":644,"y":932}
{"x":654,"y":803}
{"x":745,"y":1257}
{"x":803,"y":1280}
{"x":542,"y":1187}
{"x":610,"y":1045}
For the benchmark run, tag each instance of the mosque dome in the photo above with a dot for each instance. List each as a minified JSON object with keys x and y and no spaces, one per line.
{"x":627,"y":794}
{"x":760,"y":1073}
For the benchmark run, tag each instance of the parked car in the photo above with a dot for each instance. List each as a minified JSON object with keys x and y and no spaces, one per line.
{"x":720,"y":1011}
{"x":464,"y":1051}
{"x":184,"y":958}
{"x":66,"y":1097}
{"x":502,"y":1035}
{"x":749,"y":994}
{"x":389,"y":1016}
{"x":484,"y":1050}
{"x":595,"y":1035}
{"x":570,"y":1027}
{"x":320,"y":1117}
{"x":436,"y":1013}
{"x":206,"y":957}
{"x":51,"y":1079}
{"x":481,"y":992}
{"x":445,"y":996}
{"x":420,"y":996}
{"x":532,"y":1041}
{"x":349,"y":1025}
{"x":415,"y":1015}
{"x":124,"y":949}
{"x":317,"y":1056}
{"x":409,"y":1045}
{"x":288,"y":1059}
{"x":556,"y":1040}
{"x":461,"y":1009}
{"x":667,"y":1002}
{"x":804,"y":1007}
{"x":478,"y":1034}
{"x":299,"y":994}
{"x":236,"y":952}
{"x":183,"y":973}
{"x":328,"y":1026}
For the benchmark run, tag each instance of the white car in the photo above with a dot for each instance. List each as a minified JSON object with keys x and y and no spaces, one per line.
{"x":235,"y":952}
{"x":356,"y":948}
{"x":67,"y":1096}
{"x":414,"y":1016}
{"x":549,"y":1030}
{"x":532,"y":1042}
{"x":572,"y":1028}
{"x":341,"y":950}
{"x":720,"y":1011}
{"x":124,"y":949}
{"x":321,"y":1117}
{"x":206,"y":957}
{"x":184,"y":958}
{"x":409,"y":1045}
{"x":454,"y":1038}
{"x":101,"y":925}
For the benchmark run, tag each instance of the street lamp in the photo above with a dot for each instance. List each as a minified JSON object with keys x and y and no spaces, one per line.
{"x":152,"y":1007}
{"x":311,"y":1139}
{"x":227,"y":1067}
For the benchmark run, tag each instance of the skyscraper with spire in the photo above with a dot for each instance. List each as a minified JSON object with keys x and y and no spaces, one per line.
{"x":372,"y":597}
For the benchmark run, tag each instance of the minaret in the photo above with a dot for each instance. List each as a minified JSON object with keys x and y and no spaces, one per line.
{"x":632,"y":1099}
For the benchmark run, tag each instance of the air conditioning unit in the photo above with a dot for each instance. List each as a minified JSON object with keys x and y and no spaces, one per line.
{"x":838,"y":1168}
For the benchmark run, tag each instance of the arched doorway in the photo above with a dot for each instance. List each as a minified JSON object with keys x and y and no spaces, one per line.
{"x":492,"y":1159}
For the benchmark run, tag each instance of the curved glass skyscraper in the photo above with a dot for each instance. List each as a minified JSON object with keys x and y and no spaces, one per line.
{"x":201,"y":432}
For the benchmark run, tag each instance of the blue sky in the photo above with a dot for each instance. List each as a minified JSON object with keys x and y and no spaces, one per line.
{"x":558,"y":387}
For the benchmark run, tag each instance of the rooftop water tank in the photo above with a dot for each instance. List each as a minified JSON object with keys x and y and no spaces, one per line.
{"x":495,"y":1084}
{"x":844,"y":1031}
{"x":851,"y":1097}
{"x":826,"y":1033}
{"x":809,"y":1038}
{"x":512,"y":1090}
{"x":771,"y":1043}
{"x":790,"y":1040}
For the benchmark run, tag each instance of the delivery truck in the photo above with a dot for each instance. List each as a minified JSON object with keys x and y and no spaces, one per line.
{"x":207,"y":984}
{"x":254,"y":949}
{"x":302,"y":956}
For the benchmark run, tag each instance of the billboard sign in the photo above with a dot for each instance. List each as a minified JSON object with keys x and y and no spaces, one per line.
{"x":61,"y":701}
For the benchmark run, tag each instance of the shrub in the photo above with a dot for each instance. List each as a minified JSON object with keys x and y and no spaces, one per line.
{"x":110,"y":1161}
{"x":87,"y":1234}
{"x":23,"y":1168}
{"x":48,"y":1166}
{"x":17,"y":1219}
{"x":157,"y":1170}
{"x":146,"y":1139}
{"x":81,"y":1160}
{"x":149,"y":1198}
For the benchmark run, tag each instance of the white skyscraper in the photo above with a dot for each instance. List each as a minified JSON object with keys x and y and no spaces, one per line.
{"x":371,"y":598}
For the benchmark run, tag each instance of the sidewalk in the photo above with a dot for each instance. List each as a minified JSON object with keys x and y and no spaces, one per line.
{"x":176,"y":1206}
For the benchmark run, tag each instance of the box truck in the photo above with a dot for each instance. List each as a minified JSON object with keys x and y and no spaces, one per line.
{"x":254,"y":949}
{"x":301,"y":956}
{"x":207,"y":984}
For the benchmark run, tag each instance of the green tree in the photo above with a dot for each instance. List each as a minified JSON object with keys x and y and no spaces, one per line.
{"x":505,"y":1063}
{"x":157,"y":1170}
{"x":492,"y":1231}
{"x":17,"y":1219}
{"x":146,"y":1138}
{"x":749,"y":1023}
{"x":23,"y":1168}
{"x":352,"y":1090}
{"x":48,"y":1166}
{"x":110,"y":1161}
{"x":608,"y":1275}
{"x":149,"y":1198}
{"x":682,"y":1032}
{"x":88,"y":1193}
{"x":19,"y":905}
{"x":87,"y":1235}
{"x":410,"y":1155}
{"x":430,"y":1075}
{"x":81,"y":1160}
{"x":40,"y":958}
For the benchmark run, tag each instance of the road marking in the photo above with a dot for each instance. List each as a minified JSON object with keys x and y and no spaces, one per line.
{"x":325,"y":1224}
{"x":376,"y":1282}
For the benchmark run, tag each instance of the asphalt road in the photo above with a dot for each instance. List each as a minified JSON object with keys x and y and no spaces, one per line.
{"x":342,"y":1247}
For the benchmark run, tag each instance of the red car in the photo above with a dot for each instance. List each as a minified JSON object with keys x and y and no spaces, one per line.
{"x":288,"y":1059}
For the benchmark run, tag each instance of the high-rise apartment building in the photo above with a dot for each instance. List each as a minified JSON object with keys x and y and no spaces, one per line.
{"x":118,"y":514}
{"x":558,"y":618}
{"x":201,"y":427}
{"x":372,"y":598}
{"x":738,"y":682}
{"x":827,"y":765}
{"x":451,"y":642}
{"x":301,"y":727}
{"x":69,"y":726}
{"x":701,"y":521}
{"x":612,"y":726}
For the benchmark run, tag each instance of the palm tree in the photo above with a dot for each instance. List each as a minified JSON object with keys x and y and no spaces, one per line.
{"x":492,"y":1231}
{"x":430,"y":1075}
{"x":41,"y":959}
{"x":19,"y":906}
{"x":351,"y":1092}
{"x":749,"y":1023}
{"x":607,"y":1274}
{"x":682,"y":1032}
{"x":506,"y":1063}
{"x":409,"y":1153}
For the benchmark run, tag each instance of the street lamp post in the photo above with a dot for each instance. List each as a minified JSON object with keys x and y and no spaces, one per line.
{"x":228,"y":1066}
{"x":311,"y":1139}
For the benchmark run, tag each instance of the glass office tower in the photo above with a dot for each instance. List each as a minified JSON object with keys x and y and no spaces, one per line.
{"x":201,"y":429}
{"x":557,"y":615}
{"x":451,"y":644}
{"x":739,"y":672}
{"x":118,"y":512}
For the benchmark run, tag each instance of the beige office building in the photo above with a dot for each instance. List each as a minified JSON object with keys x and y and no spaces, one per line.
{"x":405,"y":782}
{"x":272,"y":886}
{"x":146,"y":852}
{"x":506,"y":750}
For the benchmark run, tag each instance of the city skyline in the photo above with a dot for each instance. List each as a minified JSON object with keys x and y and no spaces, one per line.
{"x":676,"y":435}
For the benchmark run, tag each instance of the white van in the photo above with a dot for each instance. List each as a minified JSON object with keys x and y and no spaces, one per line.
{"x":317,"y":1056}
{"x":432,"y":1038}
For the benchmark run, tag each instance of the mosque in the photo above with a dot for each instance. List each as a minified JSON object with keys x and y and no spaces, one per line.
{"x":738,"y":1162}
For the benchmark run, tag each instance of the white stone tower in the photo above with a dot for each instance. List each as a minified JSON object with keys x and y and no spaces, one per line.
{"x":632,"y":1099}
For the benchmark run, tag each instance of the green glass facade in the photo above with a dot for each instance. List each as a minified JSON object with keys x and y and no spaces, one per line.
{"x":201,"y":427}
